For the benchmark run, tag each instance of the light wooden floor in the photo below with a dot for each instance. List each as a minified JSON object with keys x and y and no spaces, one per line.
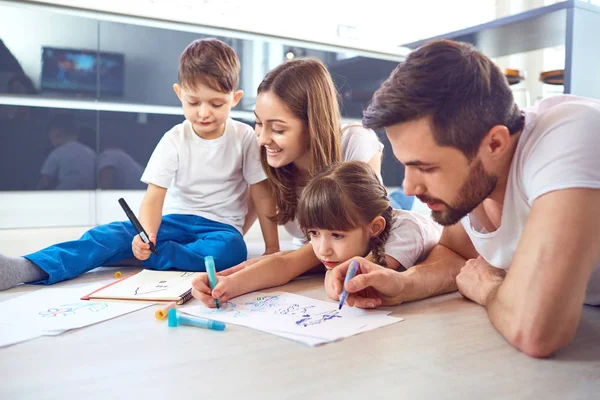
{"x":445,"y":349}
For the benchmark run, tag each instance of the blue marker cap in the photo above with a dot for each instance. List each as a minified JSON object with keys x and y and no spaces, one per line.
{"x":176,"y":319}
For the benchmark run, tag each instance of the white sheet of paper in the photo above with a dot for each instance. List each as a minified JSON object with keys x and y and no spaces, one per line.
{"x":50,"y":310}
{"x":295,"y":317}
{"x":12,"y":334}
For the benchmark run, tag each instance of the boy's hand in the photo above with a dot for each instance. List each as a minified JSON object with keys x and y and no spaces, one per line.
{"x":224,"y":290}
{"x":141,"y":250}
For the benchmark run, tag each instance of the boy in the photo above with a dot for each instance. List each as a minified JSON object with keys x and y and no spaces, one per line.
{"x":206,"y":163}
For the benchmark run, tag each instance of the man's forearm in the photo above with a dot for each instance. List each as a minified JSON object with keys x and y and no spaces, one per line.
{"x":434,"y":276}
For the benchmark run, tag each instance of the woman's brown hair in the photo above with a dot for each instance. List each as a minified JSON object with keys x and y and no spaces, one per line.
{"x":306,"y":87}
{"x":343,"y":197}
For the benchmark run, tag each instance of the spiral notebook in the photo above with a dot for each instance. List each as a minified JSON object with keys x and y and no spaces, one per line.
{"x":148,"y":285}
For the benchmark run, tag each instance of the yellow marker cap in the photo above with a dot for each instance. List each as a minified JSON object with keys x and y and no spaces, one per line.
{"x":164,"y":312}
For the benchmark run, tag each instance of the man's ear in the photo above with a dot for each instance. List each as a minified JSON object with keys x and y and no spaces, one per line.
{"x":237,"y":96}
{"x":377,"y":226}
{"x":177,"y":90}
{"x":497,"y":142}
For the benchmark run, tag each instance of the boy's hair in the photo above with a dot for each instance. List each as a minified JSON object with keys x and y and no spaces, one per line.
{"x":210,"y":62}
{"x":306,"y":87}
{"x":463,"y":92}
{"x":343,"y":197}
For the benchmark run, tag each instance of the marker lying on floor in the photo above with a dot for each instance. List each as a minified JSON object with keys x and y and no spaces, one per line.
{"x":164,"y":312}
{"x":176,"y":319}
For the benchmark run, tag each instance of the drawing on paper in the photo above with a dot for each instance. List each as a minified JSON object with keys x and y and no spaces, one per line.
{"x":300,"y":315}
{"x":161,"y":286}
{"x":72,"y":309}
{"x":309,"y":320}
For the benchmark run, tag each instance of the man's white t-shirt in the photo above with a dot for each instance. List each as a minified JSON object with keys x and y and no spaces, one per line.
{"x":412,"y":237}
{"x":73,"y":165}
{"x":558,"y":149}
{"x":358,"y":144}
{"x":127,"y":171}
{"x":208,"y":178}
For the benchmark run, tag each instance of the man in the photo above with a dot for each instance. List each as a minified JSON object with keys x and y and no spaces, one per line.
{"x":518,"y":193}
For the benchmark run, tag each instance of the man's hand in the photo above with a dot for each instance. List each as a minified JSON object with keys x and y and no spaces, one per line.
{"x":479,"y":280}
{"x":373,"y":286}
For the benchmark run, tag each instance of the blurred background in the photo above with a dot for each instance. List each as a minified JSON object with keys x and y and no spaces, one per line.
{"x":97,"y":75}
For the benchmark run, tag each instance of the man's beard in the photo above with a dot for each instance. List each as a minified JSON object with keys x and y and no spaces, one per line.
{"x":478,"y":186}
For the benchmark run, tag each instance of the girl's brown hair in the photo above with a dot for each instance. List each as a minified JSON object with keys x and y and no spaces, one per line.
{"x":306,"y":87}
{"x":343,"y":197}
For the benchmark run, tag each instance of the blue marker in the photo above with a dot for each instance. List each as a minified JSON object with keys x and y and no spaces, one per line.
{"x":352,"y":269}
{"x":209,"y":263}
{"x":176,"y":319}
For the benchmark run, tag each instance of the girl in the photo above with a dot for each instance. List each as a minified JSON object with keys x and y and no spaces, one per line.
{"x":298,"y":129}
{"x":345,"y":213}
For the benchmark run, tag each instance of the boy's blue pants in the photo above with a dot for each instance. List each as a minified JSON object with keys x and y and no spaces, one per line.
{"x":182,"y":242}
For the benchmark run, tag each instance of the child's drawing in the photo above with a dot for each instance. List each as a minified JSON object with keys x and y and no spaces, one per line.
{"x":162,"y":285}
{"x":293,"y":316}
{"x":309,"y":320}
{"x":71,"y":309}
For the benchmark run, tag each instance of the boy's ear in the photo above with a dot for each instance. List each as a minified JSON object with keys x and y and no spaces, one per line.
{"x":377,"y":226}
{"x":237,"y":96}
{"x":177,"y":90}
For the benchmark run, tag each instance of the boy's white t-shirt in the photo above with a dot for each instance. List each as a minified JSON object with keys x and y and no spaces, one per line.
{"x":358,"y":144}
{"x":411,"y":237}
{"x":73,"y":165}
{"x":558,"y":149}
{"x":208,"y":178}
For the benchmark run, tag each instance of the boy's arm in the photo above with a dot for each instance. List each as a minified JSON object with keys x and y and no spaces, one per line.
{"x":537,"y":306}
{"x":151,"y":208}
{"x":265,"y":205}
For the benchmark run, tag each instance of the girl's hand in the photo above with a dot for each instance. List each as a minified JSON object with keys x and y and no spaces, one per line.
{"x":224,"y":290}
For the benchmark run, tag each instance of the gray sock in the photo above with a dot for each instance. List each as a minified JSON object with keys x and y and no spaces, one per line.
{"x":15,"y":270}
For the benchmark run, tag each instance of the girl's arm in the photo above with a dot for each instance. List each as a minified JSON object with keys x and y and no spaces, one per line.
{"x":275,"y":270}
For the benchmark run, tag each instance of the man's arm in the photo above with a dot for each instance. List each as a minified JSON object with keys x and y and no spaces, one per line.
{"x":433,"y":276}
{"x":538,"y":305}
{"x":265,"y":204}
{"x":437,"y":273}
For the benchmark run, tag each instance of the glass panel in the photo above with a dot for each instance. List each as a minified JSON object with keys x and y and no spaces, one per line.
{"x":53,"y":60}
{"x":47,"y":148}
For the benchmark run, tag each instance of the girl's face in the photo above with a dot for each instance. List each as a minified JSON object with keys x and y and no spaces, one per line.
{"x":335,"y":247}
{"x":280,"y":132}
